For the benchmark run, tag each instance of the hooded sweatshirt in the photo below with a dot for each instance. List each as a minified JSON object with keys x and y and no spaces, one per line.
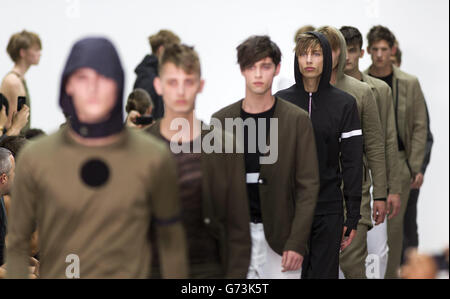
{"x":146,"y":72}
{"x":337,"y":131}
{"x":98,"y":54}
{"x":374,"y":146}
{"x":95,"y":204}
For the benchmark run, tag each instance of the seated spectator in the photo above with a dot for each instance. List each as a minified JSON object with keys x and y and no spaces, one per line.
{"x":139,"y":104}
{"x":32,"y":133}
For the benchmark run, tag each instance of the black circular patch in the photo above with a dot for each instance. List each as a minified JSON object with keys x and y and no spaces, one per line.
{"x":94,"y":173}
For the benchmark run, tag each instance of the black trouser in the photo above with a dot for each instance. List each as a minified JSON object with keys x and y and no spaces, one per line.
{"x":410,"y":233}
{"x":322,"y":260}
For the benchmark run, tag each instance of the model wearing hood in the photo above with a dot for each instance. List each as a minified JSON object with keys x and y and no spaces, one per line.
{"x":146,"y":72}
{"x":337,"y":130}
{"x":95,"y":204}
{"x":352,"y":261}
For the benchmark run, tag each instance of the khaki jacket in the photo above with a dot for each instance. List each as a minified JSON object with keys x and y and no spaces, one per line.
{"x":411,"y":115}
{"x":289,"y":187}
{"x":383,"y":96}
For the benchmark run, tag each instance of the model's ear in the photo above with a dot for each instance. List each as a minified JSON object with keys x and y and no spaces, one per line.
{"x":362,"y":53}
{"x":202,"y":84}
{"x":3,"y":178}
{"x":277,"y":69}
{"x":157,"y":85}
{"x":394,"y":50}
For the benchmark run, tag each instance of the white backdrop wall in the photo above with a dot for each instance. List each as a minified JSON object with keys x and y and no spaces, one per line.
{"x":215,"y":28}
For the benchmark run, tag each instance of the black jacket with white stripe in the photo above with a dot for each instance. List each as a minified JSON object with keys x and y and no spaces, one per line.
{"x":339,"y":140}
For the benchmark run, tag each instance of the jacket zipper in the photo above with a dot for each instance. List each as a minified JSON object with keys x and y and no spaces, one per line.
{"x":309,"y":107}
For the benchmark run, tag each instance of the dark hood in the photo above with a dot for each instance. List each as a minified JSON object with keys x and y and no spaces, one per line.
{"x":148,"y":64}
{"x":327,"y":64}
{"x":100,"y":55}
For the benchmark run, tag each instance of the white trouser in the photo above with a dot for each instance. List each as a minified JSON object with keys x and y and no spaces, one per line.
{"x":377,"y":248}
{"x":265,"y":263}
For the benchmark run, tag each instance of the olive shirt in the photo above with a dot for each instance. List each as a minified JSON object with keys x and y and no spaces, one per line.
{"x":97,"y":203}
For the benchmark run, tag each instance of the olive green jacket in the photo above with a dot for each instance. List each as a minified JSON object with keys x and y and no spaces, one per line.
{"x":289,"y":187}
{"x":225,"y":206}
{"x":383,"y":95}
{"x":411,"y":115}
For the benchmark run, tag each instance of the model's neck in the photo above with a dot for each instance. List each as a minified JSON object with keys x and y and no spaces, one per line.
{"x":355,"y":73}
{"x":258,"y":103}
{"x":311,"y":84}
{"x":189,"y":123}
{"x":21,"y":68}
{"x":101,"y":141}
{"x":381,"y":71}
{"x":334,"y":74}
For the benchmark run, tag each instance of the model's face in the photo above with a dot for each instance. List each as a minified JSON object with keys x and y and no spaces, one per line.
{"x":354,"y":53}
{"x":178,"y":89}
{"x":93,"y":95}
{"x":335,"y":55}
{"x":311,"y":63}
{"x":32,"y":55}
{"x":381,"y":53}
{"x":259,"y":76}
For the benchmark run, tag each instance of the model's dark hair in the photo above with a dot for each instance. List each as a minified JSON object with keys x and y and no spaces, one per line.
{"x":398,"y":56}
{"x":256,"y":48}
{"x":352,"y":36}
{"x":139,"y":100}
{"x":378,"y":33}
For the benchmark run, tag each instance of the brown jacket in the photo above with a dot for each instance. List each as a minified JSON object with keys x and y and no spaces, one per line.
{"x":290,"y":186}
{"x":225,"y":205}
{"x":411,"y":115}
{"x":383,"y":96}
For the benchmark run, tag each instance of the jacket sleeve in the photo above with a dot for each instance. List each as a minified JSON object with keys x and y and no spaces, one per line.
{"x":351,"y":163}
{"x":393,"y":171}
{"x":429,"y":144}
{"x":24,"y":198}
{"x":307,"y":183}
{"x":374,"y":144}
{"x":419,"y":130}
{"x":238,"y":219}
{"x":166,"y":212}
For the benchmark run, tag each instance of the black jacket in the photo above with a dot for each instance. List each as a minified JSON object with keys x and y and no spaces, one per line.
{"x":338,"y":135}
{"x":146,"y":72}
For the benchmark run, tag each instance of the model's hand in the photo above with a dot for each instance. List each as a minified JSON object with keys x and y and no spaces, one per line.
{"x":418,"y":181}
{"x":393,"y":205}
{"x":346,"y":241}
{"x":379,"y":211}
{"x":291,"y":261}
{"x":34,"y":268}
